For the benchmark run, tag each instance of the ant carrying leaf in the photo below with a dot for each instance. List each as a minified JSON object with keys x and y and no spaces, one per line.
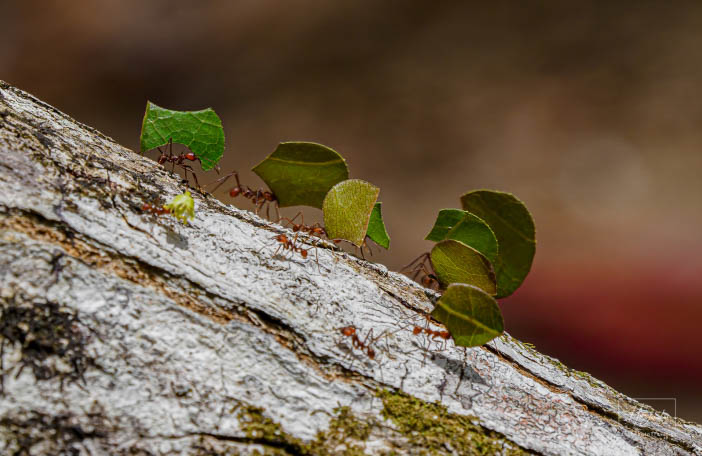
{"x":199,"y":131}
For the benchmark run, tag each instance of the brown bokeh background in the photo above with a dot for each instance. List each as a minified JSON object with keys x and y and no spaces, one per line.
{"x":590,"y":113}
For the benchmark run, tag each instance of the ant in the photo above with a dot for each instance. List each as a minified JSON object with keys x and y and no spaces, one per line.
{"x":417,"y":330}
{"x":422,"y":265}
{"x":312,"y":230}
{"x":178,"y":160}
{"x":259,"y":197}
{"x":288,"y":244}
{"x":154,"y":209}
{"x":350,"y":331}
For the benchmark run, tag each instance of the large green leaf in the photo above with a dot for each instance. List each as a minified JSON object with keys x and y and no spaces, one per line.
{"x":467,"y":228}
{"x":302,"y":173}
{"x":199,"y":131}
{"x":347,"y":209}
{"x":513,"y":226}
{"x":376,"y":227}
{"x":472,"y":316}
{"x":455,"y":262}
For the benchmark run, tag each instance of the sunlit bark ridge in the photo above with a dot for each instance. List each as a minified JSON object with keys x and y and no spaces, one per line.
{"x":129,"y":333}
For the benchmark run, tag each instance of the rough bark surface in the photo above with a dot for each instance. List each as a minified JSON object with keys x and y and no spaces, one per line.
{"x":125,"y":333}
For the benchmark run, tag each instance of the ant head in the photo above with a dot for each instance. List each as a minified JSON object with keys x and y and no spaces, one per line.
{"x":268,"y":196}
{"x":371,"y":353}
{"x":348,"y":331}
{"x":303,"y":253}
{"x":416,"y":330}
{"x":281,"y":238}
{"x":296,"y":227}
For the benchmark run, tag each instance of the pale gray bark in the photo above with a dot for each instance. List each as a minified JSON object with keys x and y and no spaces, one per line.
{"x":131,"y":334}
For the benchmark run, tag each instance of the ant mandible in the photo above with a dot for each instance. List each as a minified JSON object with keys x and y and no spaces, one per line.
{"x":178,"y":160}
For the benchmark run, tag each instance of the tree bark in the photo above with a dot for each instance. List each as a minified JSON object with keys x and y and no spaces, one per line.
{"x":127,"y":333}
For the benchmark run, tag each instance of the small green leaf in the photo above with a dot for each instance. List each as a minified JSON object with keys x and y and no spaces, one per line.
{"x":513,"y":226}
{"x":455,"y":262}
{"x":467,"y":228}
{"x":182,"y":207}
{"x":347,"y":209}
{"x":302,"y":173}
{"x":199,"y":131}
{"x":472,"y":317}
{"x":376,"y":227}
{"x":447,"y":219}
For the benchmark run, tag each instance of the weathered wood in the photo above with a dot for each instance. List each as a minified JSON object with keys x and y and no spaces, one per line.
{"x":125,"y":333}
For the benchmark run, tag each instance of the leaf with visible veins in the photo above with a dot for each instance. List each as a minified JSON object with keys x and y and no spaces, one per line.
{"x":199,"y":131}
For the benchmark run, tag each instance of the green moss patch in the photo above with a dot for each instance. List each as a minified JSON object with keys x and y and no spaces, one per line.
{"x":436,"y":431}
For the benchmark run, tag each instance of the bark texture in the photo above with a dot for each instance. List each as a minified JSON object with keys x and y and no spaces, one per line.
{"x":125,"y":333}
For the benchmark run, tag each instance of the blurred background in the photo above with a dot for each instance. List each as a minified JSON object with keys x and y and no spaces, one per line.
{"x":590,"y":113}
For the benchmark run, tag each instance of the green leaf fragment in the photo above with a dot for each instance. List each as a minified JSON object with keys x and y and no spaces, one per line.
{"x":199,"y":131}
{"x":447,"y":219}
{"x":376,"y":227}
{"x":182,"y":207}
{"x":513,"y":226}
{"x":347,"y":209}
{"x":472,"y":316}
{"x":302,"y":173}
{"x":455,"y":262}
{"x":467,"y":228}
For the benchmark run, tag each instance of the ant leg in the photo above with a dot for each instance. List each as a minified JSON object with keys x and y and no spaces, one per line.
{"x":277,"y":210}
{"x":219,"y":181}
{"x":291,"y":221}
{"x":420,"y":258}
{"x":187,"y":168}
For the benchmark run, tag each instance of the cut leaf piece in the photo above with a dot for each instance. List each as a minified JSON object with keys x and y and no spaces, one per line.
{"x":376,"y":227}
{"x":199,"y":131}
{"x":455,"y":262}
{"x":472,"y":316}
{"x":467,"y":228}
{"x":447,"y":219}
{"x":302,"y":173}
{"x":513,"y":226}
{"x":347,"y":209}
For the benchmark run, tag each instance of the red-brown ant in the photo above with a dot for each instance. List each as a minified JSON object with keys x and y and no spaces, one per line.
{"x":154,"y":209}
{"x":422,"y":265}
{"x":431,"y":333}
{"x":178,"y":160}
{"x":259,"y":197}
{"x":288,"y":244}
{"x":312,"y":230}
{"x":350,"y":331}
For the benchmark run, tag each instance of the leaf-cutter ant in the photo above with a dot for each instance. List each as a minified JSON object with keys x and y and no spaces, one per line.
{"x":259,"y":197}
{"x":178,"y":160}
{"x":421,"y":267}
{"x":363,"y":345}
{"x":154,"y":209}
{"x":312,"y":230}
